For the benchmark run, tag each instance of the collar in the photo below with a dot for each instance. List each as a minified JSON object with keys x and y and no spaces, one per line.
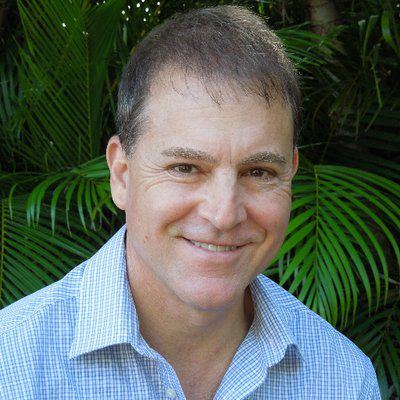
{"x":106,"y":311}
{"x":273,"y":317}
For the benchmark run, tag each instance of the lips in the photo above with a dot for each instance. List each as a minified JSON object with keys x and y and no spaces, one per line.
{"x":213,"y":247}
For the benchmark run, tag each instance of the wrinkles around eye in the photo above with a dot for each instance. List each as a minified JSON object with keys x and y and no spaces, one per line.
{"x":183,"y":169}
{"x":260,"y":173}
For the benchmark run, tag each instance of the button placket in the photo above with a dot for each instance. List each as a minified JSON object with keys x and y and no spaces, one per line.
{"x":172,"y":389}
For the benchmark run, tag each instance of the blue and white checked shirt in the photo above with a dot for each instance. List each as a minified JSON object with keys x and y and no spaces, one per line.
{"x":79,"y":339}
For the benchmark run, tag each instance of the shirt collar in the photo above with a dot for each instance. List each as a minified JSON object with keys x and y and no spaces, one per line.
{"x":271,"y":325}
{"x":106,"y":311}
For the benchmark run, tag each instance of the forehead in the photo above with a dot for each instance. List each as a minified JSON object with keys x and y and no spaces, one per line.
{"x":181,"y":106}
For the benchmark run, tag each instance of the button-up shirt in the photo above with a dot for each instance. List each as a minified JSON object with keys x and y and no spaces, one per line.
{"x":79,"y":338}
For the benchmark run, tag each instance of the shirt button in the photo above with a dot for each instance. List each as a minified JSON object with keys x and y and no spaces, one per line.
{"x":171,"y":394}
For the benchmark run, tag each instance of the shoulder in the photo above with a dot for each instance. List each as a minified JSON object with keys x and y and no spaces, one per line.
{"x":331,"y":362}
{"x":35,"y":334}
{"x":36,"y":305}
{"x":309,"y":329}
{"x":327,"y":353}
{"x":57,"y":303}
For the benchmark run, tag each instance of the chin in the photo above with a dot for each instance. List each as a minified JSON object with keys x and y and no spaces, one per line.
{"x":213,"y":295}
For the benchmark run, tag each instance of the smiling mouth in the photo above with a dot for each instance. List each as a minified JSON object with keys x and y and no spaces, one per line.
{"x":213,"y":247}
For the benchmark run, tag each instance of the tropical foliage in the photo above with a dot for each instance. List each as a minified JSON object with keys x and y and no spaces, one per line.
{"x":59,"y":69}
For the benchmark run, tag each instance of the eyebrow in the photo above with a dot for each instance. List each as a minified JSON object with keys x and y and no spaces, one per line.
{"x":191,"y":154}
{"x":264,"y":156}
{"x":188,"y":154}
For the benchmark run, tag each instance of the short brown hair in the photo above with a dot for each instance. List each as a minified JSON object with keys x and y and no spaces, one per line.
{"x":223,"y":44}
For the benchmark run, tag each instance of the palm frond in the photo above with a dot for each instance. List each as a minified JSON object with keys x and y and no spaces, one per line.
{"x":378,"y":335}
{"x":63,"y":73}
{"x":344,"y":221}
{"x":377,"y":149}
{"x":84,"y":189}
{"x":8,"y":89}
{"x":10,"y":122}
{"x":308,"y":50}
{"x":357,"y":84}
{"x":33,"y":257}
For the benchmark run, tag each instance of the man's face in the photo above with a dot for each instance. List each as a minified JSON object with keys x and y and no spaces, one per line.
{"x":206,"y":192}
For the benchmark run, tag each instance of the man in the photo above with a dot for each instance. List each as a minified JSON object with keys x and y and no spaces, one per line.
{"x":173,"y":306}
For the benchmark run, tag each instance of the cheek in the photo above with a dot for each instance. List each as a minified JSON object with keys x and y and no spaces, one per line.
{"x":272,"y":211}
{"x":159,"y":205}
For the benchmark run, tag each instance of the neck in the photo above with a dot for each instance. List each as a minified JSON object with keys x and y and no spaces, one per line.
{"x":179,"y":332}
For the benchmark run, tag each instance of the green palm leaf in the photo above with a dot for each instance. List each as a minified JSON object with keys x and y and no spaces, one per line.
{"x":379,"y":337}
{"x":33,"y":257}
{"x":308,"y":50}
{"x":84,"y":189}
{"x":63,"y":73}
{"x":332,"y":243}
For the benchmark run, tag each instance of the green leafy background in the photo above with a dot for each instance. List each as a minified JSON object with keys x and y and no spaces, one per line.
{"x":60,"y":66}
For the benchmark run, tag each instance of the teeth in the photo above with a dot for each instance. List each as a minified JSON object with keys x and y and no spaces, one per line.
{"x":212,"y":247}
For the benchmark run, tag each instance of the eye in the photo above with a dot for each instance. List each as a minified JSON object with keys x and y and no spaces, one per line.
{"x":183,"y":169}
{"x":261,"y":173}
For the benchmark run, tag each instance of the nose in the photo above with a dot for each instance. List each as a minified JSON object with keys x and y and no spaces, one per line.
{"x":222,"y":204}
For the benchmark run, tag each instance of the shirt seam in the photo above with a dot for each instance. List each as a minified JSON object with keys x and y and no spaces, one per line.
{"x":36,"y":312}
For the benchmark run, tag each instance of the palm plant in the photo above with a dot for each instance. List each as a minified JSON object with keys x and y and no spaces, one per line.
{"x":59,"y":72}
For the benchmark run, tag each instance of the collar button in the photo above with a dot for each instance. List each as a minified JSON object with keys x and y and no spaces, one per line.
{"x":171,"y":394}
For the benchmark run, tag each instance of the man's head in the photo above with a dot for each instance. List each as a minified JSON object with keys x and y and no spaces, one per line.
{"x":206,"y":191}
{"x":225,"y":46}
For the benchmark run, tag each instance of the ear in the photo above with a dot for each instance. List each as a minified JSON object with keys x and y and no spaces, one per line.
{"x":295,"y":162}
{"x":118,"y":165}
